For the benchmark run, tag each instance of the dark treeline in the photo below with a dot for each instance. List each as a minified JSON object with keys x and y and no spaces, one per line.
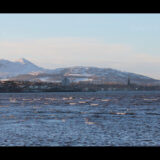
{"x":27,"y":86}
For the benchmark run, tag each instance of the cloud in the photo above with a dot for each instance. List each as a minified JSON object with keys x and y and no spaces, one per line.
{"x":63,"y":49}
{"x":61,"y":52}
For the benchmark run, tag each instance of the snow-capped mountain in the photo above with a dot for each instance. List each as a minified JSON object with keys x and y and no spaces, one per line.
{"x":25,"y":70}
{"x":14,"y":68}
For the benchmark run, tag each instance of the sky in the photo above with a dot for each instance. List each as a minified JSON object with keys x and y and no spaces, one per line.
{"x":127,"y":42}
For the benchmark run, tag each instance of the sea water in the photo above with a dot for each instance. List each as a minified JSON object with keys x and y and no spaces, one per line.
{"x":80,"y":119}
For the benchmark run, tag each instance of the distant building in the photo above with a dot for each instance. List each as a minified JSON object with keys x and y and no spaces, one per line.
{"x":65,"y":81}
{"x":129,"y":82}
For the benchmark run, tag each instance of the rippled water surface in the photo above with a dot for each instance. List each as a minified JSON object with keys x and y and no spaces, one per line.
{"x":80,"y":119}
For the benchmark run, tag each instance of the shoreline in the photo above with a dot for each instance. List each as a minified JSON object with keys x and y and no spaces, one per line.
{"x":120,"y":91}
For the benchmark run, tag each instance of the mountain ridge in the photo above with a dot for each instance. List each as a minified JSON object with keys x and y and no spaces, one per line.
{"x":23,"y":69}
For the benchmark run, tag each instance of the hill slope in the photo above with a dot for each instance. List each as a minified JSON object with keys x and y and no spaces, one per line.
{"x":25,"y":70}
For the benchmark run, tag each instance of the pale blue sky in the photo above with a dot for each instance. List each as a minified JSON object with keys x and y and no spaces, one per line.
{"x":128,"y":42}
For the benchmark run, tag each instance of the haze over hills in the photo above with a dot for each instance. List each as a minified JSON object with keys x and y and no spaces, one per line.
{"x":25,"y":70}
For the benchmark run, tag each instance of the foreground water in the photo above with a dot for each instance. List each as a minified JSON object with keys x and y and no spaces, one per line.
{"x":80,"y":119}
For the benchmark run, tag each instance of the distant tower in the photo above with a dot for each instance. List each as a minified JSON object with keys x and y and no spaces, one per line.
{"x":129,"y":82}
{"x":65,"y":81}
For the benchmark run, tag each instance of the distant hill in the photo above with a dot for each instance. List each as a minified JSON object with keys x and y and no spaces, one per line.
{"x":27,"y":71}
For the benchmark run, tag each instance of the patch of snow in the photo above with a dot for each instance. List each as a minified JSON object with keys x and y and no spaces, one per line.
{"x":81,"y":79}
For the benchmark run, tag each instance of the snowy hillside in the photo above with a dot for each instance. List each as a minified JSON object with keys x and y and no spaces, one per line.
{"x":25,"y":70}
{"x":13,"y":68}
{"x":105,"y":75}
